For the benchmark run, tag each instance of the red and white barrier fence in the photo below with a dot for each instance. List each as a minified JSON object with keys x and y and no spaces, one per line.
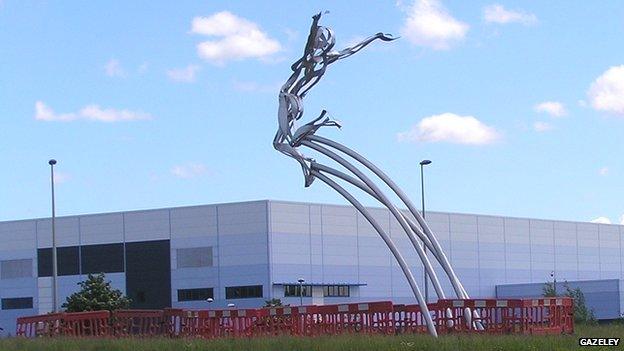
{"x":489,"y":316}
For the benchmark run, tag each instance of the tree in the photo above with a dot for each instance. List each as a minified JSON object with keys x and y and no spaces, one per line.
{"x":96,"y":294}
{"x":582,"y":314}
{"x":549,"y":290}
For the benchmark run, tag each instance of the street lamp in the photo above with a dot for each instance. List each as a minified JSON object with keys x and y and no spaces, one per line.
{"x":301,"y":281}
{"x":423,"y":163}
{"x":52,"y":162}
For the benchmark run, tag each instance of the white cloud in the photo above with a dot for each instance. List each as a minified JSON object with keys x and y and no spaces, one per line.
{"x":185,"y":75}
{"x":113,"y":68}
{"x":606,"y":93}
{"x":236,"y":38}
{"x":449,"y":127}
{"x":45,"y":113}
{"x":603,"y":171}
{"x":622,"y":219}
{"x":190,"y":170}
{"x":601,"y":220}
{"x":429,"y":24}
{"x":90,"y":112}
{"x":496,"y":13}
{"x":553,"y":108}
{"x":542,"y":126}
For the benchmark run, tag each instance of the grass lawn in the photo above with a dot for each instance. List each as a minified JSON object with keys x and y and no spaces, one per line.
{"x":345,"y":342}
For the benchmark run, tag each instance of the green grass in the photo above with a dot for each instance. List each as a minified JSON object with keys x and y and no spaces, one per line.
{"x":327,"y":343}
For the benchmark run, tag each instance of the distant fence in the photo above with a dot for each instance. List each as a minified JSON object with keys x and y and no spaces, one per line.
{"x":489,"y":316}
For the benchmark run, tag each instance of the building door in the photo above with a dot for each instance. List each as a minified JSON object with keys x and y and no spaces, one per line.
{"x":148,"y":274}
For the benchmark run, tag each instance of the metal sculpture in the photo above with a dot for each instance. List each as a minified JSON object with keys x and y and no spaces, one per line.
{"x":318,"y":54}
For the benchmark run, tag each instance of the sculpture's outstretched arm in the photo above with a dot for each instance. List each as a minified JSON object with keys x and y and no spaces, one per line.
{"x":319,"y":53}
{"x":346,"y":52}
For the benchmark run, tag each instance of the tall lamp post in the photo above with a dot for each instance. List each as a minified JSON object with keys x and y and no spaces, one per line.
{"x":52,"y":162}
{"x":301,"y":281}
{"x":423,"y":163}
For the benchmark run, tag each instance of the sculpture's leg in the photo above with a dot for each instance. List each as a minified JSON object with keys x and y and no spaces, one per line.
{"x":395,"y":212}
{"x":439,"y":253}
{"x":366,"y":189}
{"x":395,"y":252}
{"x":363,"y":187}
{"x":457,"y":286}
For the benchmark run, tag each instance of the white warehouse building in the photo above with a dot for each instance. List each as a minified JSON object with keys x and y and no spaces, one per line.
{"x":248,"y":252}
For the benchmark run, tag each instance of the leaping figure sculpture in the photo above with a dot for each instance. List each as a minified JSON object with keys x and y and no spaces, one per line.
{"x":318,"y":54}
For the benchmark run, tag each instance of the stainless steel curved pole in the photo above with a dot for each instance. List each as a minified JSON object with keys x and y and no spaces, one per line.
{"x":395,"y":212}
{"x":365,"y":188}
{"x":318,"y":54}
{"x":458,"y":287}
{"x":395,"y":252}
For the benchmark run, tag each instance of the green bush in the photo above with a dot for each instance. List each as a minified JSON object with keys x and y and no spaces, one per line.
{"x":582,"y":314}
{"x":549,"y":290}
{"x":96,"y":294}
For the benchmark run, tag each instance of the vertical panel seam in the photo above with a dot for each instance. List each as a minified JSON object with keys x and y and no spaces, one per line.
{"x":220,"y":287}
{"x":600,"y":275}
{"x":79,"y":250}
{"x":478,"y":257}
{"x":504,"y":252}
{"x":530,"y":254}
{"x":578,"y":271}
{"x":269,"y":238}
{"x":554,"y":249}
{"x":357,"y":249}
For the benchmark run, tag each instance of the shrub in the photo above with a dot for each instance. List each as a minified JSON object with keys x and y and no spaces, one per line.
{"x":582,"y":314}
{"x":96,"y":294}
{"x":549,"y":290}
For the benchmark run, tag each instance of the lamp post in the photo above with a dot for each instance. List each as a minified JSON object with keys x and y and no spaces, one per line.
{"x":52,"y":162}
{"x":423,"y":163}
{"x":301,"y":281}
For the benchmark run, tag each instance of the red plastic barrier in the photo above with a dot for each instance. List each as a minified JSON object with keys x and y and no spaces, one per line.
{"x":409,"y":318}
{"x":493,"y":316}
{"x":137,"y":323}
{"x":172,"y":321}
{"x":547,"y":316}
{"x":95,"y":323}
{"x":497,"y":316}
{"x":44,"y":325}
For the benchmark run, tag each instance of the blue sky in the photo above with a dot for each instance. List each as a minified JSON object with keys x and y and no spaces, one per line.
{"x":520,"y":105}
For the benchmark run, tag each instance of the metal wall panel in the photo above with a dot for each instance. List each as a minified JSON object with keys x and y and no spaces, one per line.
{"x":11,"y":269}
{"x":194,"y":257}
{"x":102,"y":229}
{"x":601,"y":296}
